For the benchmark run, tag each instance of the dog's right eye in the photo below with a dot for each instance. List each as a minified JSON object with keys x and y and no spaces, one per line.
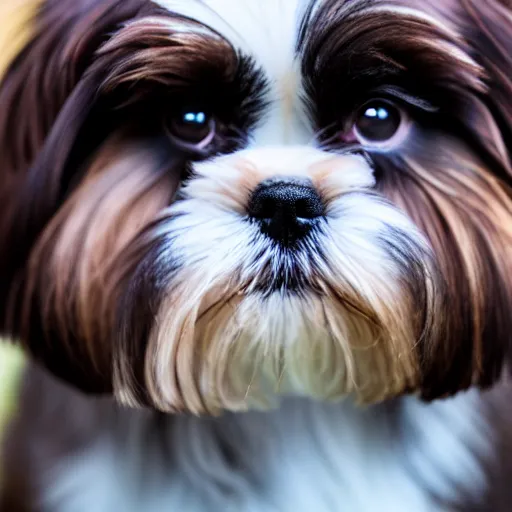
{"x":378,"y":122}
{"x":381,"y":125}
{"x":192,"y":128}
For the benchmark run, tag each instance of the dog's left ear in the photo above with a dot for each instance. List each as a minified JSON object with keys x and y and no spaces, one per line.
{"x":483,"y":290}
{"x":488,"y":30}
{"x":487,"y":27}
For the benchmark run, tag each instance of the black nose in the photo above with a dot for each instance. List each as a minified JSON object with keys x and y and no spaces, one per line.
{"x":286,"y":209}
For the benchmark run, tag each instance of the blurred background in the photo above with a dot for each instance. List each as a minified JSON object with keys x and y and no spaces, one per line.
{"x":11,"y":364}
{"x":15,"y":26}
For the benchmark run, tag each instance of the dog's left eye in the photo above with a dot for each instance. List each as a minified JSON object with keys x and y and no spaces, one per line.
{"x":379,"y":123}
{"x":192,"y":127}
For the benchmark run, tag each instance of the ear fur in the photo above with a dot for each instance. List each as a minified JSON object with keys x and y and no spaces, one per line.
{"x":86,"y":166}
{"x":46,"y":94}
{"x":486,"y":31}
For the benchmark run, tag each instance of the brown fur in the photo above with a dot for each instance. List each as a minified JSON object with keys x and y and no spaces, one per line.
{"x":87,"y":172}
{"x":77,"y":203}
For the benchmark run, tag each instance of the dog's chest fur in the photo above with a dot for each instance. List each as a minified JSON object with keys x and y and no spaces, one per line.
{"x":304,"y":457}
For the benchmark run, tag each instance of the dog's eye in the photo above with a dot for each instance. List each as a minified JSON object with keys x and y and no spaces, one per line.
{"x":192,"y":127}
{"x":378,"y":122}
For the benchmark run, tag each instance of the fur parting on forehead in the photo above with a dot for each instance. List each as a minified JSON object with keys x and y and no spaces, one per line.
{"x":265,"y":29}
{"x":218,"y":343}
{"x":274,"y":26}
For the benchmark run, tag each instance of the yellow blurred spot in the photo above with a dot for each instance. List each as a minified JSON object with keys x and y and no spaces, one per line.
{"x":15,"y":28}
{"x":11,"y":363}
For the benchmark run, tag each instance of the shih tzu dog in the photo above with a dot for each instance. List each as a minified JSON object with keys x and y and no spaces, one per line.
{"x":260,"y":252}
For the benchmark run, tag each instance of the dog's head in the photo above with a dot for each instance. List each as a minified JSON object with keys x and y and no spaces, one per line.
{"x":207,"y":203}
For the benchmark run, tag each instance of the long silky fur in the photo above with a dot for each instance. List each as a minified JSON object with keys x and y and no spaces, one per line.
{"x":32,"y":196}
{"x":129,"y":268}
{"x":101,"y":49}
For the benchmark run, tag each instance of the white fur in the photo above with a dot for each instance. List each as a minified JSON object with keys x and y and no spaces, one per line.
{"x":305,"y":457}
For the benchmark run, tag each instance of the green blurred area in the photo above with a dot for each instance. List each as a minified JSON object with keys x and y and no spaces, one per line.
{"x":11,"y":363}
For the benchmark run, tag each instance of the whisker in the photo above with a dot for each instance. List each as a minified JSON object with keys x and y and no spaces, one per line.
{"x":282,"y":365}
{"x":253,"y":377}
{"x":318,"y":134}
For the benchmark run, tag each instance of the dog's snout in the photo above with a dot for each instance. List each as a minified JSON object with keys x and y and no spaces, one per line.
{"x":286,"y":209}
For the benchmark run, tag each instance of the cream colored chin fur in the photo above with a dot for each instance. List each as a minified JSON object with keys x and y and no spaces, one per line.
{"x":219,"y":343}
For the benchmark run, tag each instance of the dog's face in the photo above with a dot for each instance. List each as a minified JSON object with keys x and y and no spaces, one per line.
{"x":209,"y":203}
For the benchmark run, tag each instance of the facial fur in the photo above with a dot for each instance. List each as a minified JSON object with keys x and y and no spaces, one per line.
{"x":133,"y":263}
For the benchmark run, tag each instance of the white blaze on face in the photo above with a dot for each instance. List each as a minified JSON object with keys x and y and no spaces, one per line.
{"x":265,"y":29}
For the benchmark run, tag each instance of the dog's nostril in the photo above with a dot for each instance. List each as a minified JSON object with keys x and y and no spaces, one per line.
{"x":309,"y":207}
{"x":286,"y":209}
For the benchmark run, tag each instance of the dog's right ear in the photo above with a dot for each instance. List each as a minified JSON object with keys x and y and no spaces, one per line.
{"x":47,"y":92}
{"x":93,"y":88}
